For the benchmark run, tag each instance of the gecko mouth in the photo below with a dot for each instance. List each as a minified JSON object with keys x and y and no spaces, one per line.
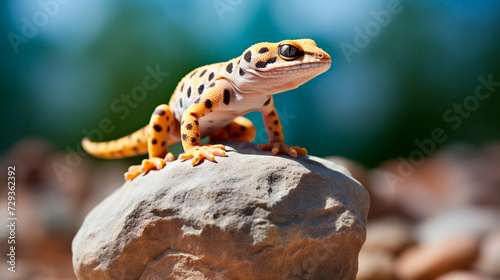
{"x":295,"y":68}
{"x":301,"y":66}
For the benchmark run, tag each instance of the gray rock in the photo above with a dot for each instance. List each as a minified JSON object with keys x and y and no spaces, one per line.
{"x":251,"y":215}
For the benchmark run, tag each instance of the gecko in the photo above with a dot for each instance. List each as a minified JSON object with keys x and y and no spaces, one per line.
{"x":211,"y":101}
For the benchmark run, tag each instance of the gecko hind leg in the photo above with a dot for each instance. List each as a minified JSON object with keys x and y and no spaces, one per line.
{"x":240,"y":129}
{"x":158,"y":130}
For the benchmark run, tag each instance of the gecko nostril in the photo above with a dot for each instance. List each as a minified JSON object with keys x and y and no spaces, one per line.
{"x":319,"y":55}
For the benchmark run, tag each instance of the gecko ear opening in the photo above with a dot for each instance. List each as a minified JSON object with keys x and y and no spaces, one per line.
{"x":289,"y":52}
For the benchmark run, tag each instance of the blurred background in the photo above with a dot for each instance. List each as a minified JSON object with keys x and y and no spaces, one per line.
{"x":410,"y":105}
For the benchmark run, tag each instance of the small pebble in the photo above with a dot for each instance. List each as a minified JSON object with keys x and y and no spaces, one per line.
{"x":389,"y":234}
{"x":489,"y":259}
{"x":375,"y":265}
{"x":429,"y":261}
{"x":462,"y":275}
{"x":468,"y":220}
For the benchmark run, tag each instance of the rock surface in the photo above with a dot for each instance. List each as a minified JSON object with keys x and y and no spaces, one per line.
{"x":249,"y":216}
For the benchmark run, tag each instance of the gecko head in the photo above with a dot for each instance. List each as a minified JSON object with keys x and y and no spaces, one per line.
{"x":282,"y":66}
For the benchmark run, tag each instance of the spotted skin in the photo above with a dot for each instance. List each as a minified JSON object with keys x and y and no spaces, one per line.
{"x":210,"y":101}
{"x":240,"y":129}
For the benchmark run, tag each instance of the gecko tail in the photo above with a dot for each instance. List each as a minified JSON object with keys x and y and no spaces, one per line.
{"x":128,"y":146}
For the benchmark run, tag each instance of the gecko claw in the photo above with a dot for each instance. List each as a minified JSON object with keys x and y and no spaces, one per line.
{"x":204,"y":151}
{"x":147,"y":165}
{"x":282,"y":148}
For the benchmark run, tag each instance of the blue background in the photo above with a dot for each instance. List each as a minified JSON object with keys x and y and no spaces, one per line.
{"x":369,"y":106}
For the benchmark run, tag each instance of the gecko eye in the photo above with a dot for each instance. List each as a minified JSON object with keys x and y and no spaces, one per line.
{"x":289,"y":52}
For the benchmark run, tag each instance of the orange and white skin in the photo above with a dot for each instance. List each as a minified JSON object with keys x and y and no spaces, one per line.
{"x":211,"y":100}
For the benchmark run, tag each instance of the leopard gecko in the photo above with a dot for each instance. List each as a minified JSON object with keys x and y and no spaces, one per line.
{"x":211,"y":101}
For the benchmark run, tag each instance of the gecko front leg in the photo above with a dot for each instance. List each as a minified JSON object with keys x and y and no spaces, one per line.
{"x":190,"y":128}
{"x":275,"y":133}
{"x":158,"y":136}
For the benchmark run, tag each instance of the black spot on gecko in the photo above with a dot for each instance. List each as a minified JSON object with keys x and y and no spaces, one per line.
{"x":260,"y":64}
{"x":248,"y":56}
{"x":189,"y":92}
{"x":263,"y":64}
{"x":208,"y":103}
{"x":242,"y":72}
{"x":263,"y":50}
{"x":193,"y":140}
{"x":157,"y":127}
{"x":168,"y":129}
{"x":201,"y":88}
{"x":243,"y":128}
{"x":236,"y":135}
{"x":163,"y":143}
{"x":275,"y":122}
{"x":211,"y":76}
{"x":197,"y":100}
{"x":203,"y":73}
{"x":180,"y":102}
{"x":154,"y":141}
{"x":212,"y":85}
{"x":196,"y":122}
{"x":159,"y":112}
{"x":182,"y":87}
{"x":271,"y":60}
{"x":227,"y":97}
{"x":184,"y":137}
{"x":268,"y":101}
{"x":192,"y":75}
{"x":229,"y":68}
{"x":194,"y":114}
{"x":189,"y":126}
{"x":276,"y":133}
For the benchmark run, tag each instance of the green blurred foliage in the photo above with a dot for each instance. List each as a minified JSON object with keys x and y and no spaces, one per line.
{"x":396,"y":90}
